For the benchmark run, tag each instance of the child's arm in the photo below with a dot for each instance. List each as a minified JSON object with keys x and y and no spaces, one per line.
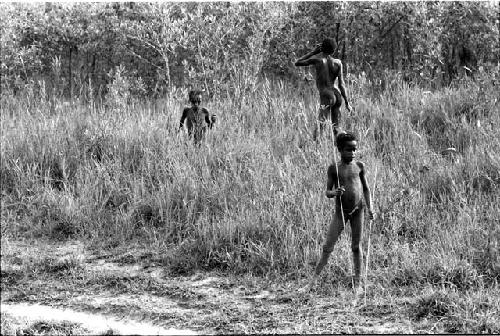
{"x":183,"y":117}
{"x":209,"y":118}
{"x":332,"y":182}
{"x":366,"y":188}
{"x":342,"y":87}
{"x":305,"y":60}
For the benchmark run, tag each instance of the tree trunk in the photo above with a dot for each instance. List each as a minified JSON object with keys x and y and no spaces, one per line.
{"x":343,"y":50}
{"x":93,"y":79}
{"x":409,"y":50}
{"x":392,"y":53}
{"x":337,"y":33}
{"x":70,"y":74}
{"x":167,"y":69}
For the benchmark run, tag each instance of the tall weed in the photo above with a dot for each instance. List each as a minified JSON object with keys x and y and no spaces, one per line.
{"x":250,"y":198}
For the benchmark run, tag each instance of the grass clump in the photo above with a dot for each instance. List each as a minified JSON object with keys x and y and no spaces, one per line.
{"x":472,"y":314}
{"x":52,"y":266}
{"x":250,"y":198}
{"x":53,"y":328}
{"x":437,"y":304}
{"x":15,"y":327}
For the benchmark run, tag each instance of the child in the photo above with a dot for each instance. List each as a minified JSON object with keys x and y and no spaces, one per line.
{"x":328,"y":69}
{"x":198,"y":118}
{"x":349,"y":180}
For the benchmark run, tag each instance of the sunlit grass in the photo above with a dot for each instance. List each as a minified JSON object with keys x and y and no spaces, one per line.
{"x":250,"y":199}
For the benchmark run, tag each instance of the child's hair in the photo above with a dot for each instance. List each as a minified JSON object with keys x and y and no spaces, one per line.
{"x":328,"y":46}
{"x":193,"y":94}
{"x":344,"y":137}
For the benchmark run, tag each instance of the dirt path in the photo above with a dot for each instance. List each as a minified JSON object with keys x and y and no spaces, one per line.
{"x":94,"y":323}
{"x":102,"y":293}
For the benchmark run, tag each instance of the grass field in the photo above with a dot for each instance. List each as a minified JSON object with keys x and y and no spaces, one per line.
{"x":250,"y":201}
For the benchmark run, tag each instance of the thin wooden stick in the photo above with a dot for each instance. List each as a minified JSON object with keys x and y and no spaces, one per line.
{"x":369,"y":235}
{"x":338,"y":181}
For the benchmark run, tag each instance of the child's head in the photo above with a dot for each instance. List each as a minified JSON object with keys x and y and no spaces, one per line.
{"x":328,"y":46}
{"x":343,"y":138}
{"x":195,"y":97}
{"x":347,"y":146}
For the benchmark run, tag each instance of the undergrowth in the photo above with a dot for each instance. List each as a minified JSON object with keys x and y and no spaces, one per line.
{"x":250,"y":198}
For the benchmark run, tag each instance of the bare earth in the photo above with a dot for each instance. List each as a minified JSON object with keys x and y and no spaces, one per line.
{"x":103,"y":294}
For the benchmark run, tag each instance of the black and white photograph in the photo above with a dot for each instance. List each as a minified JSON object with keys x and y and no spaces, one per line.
{"x":250,"y":167}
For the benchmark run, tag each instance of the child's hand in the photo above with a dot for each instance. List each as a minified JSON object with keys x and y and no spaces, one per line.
{"x":340,"y":191}
{"x":334,"y":193}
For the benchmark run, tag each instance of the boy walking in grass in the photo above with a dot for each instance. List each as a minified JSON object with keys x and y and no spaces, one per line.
{"x":347,"y":183}
{"x":197,"y":118}
{"x":328,"y":69}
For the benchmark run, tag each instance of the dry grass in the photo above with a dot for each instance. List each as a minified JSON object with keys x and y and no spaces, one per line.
{"x":12,"y":327}
{"x":250,"y":199}
{"x":40,"y":279}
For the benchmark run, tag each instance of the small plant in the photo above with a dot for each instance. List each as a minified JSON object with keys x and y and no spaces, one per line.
{"x":53,"y":328}
{"x":52,"y":266}
{"x":436,"y":304}
{"x":458,"y":314}
{"x":123,"y":89}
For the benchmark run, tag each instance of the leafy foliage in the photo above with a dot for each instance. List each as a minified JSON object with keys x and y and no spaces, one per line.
{"x":225,"y":47}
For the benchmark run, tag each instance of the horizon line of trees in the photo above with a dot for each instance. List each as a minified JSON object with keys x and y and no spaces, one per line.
{"x":80,"y":49}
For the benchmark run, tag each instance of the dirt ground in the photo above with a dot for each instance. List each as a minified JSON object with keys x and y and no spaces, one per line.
{"x":51,"y":288}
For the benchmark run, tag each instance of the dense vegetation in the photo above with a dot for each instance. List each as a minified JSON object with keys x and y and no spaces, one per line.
{"x":79,"y":50}
{"x":109,"y":166}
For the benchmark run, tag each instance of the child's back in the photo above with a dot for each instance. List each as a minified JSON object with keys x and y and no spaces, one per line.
{"x":328,"y":70}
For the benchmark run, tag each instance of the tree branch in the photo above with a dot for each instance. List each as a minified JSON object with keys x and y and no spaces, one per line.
{"x":142,"y":58}
{"x":381,"y":37}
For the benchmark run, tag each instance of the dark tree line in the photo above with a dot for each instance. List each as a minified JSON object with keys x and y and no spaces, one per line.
{"x":79,"y":49}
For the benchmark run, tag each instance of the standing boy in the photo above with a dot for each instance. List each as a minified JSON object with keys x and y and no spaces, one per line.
{"x":349,"y":180}
{"x":198,"y":118}
{"x":327,"y":70}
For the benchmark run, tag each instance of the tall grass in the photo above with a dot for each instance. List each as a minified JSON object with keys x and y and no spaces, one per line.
{"x":250,"y":198}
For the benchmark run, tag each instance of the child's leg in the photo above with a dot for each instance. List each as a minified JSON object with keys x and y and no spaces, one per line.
{"x":334,"y":231}
{"x":357,"y":230}
{"x":326,"y":101}
{"x":336,"y":118}
{"x":322,"y":118}
{"x":335,"y":109}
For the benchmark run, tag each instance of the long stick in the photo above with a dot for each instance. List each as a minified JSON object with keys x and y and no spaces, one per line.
{"x":338,"y":181}
{"x":369,"y":234}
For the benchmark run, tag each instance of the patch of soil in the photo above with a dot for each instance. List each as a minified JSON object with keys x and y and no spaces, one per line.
{"x":45,"y":318}
{"x":122,"y":296}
